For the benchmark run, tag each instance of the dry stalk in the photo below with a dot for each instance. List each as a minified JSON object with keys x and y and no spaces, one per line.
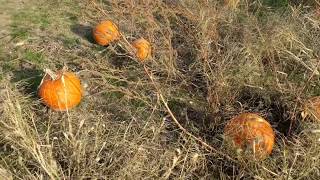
{"x":314,"y":72}
{"x":198,"y":139}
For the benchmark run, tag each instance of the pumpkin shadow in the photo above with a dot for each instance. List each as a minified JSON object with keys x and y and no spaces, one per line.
{"x":199,"y":121}
{"x":29,"y":78}
{"x":275,"y":110}
{"x":120,"y":61}
{"x":83,"y":31}
{"x":209,"y":126}
{"x":206,"y":125}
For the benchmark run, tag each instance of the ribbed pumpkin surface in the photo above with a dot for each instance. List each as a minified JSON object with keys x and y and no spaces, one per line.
{"x":249,"y":132}
{"x":143,"y":49}
{"x":62,"y":93}
{"x":105,"y":33}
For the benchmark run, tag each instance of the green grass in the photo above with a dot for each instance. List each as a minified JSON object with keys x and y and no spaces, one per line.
{"x":113,"y":96}
{"x":19,"y":32}
{"x":70,"y":42}
{"x":7,"y":67}
{"x":210,"y":63}
{"x":276,"y":3}
{"x":34,"y":57}
{"x":27,"y":20}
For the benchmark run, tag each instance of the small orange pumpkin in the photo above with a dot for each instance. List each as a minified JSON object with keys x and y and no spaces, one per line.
{"x":143,"y":48}
{"x":105,"y":33}
{"x":248,"y":132}
{"x":312,"y":109}
{"x":60,"y":91}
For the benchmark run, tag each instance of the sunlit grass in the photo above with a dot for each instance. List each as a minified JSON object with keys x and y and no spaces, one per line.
{"x":210,"y":62}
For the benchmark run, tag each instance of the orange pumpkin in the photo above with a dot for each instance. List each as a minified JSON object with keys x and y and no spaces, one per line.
{"x":250,"y":133}
{"x":105,"y":33}
{"x":60,"y":91}
{"x":143,"y":48}
{"x":312,"y":109}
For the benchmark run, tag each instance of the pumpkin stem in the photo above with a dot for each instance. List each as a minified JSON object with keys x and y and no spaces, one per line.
{"x":65,"y":68}
{"x":50,"y":73}
{"x":128,"y":45}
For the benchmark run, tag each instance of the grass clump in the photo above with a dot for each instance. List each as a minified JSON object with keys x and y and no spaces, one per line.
{"x":34,"y":57}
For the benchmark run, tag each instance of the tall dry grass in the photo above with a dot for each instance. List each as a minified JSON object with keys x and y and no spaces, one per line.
{"x":211,"y":60}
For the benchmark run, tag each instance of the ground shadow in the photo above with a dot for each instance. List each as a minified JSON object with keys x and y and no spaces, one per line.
{"x":30,"y":78}
{"x":275,"y":110}
{"x":209,"y":127}
{"x":199,"y":121}
{"x":303,"y":2}
{"x":84,"y":31}
{"x":121,"y":62}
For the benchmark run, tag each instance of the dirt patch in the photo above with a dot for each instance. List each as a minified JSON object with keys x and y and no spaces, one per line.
{"x":7,"y":8}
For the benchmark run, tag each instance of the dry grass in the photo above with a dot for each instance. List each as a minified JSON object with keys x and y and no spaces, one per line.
{"x":211,"y":60}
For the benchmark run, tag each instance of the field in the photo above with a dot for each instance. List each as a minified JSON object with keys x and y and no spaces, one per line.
{"x":162,"y":119}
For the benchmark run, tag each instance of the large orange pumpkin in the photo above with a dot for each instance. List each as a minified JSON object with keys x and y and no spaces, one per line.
{"x":105,"y":33}
{"x":60,"y":91}
{"x":250,"y":133}
{"x":312,"y":109}
{"x":143,"y":48}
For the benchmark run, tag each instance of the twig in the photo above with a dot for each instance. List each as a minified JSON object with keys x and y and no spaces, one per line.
{"x":314,"y":72}
{"x":206,"y":145}
{"x":95,"y":4}
{"x":4,"y":36}
{"x":52,"y":75}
